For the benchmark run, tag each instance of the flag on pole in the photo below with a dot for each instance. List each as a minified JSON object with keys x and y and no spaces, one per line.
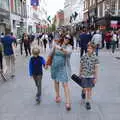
{"x":48,"y":18}
{"x":35,"y":2}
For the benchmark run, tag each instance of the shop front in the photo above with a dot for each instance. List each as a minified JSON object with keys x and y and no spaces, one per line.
{"x":108,"y":23}
{"x":92,"y":18}
{"x":4,"y":21}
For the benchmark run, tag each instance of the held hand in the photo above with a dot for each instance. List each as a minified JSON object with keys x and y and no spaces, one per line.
{"x":46,"y":66}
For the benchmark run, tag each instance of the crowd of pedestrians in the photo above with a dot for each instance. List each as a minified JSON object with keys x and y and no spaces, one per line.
{"x":61,"y":44}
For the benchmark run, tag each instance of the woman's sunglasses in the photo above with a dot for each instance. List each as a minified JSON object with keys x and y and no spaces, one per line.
{"x":67,"y":38}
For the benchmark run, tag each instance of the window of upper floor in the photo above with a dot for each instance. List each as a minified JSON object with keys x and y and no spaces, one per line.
{"x":91,"y":2}
{"x":4,"y":4}
{"x":85,"y":4}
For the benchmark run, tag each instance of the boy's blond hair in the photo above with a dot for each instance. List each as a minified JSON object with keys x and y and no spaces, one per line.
{"x":35,"y":51}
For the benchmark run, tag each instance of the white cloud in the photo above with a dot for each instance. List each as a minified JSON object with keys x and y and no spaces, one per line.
{"x":54,"y":6}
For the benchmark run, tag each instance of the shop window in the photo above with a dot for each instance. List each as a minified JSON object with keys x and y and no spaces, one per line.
{"x":113,"y":7}
{"x":98,"y":11}
{"x":90,"y":2}
{"x":101,"y":10}
{"x":4,"y":4}
{"x":93,"y":2}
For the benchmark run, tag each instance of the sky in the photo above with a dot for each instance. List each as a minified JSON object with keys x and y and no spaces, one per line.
{"x":54,"y":6}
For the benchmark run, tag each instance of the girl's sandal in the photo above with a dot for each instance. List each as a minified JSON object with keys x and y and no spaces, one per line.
{"x":58,"y":99}
{"x":68,"y":106}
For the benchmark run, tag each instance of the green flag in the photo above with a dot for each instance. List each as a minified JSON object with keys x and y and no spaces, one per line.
{"x":49,"y":19}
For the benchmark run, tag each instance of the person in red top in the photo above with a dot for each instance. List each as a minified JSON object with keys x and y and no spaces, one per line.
{"x":108,"y":38}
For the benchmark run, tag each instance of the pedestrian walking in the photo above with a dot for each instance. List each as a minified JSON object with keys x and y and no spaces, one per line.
{"x":108,"y":37}
{"x":88,"y":73}
{"x":32,"y":37}
{"x":50,"y":40}
{"x":61,"y":68}
{"x":114,"y":41}
{"x":7,"y":43}
{"x":36,"y":64}
{"x":84,"y":40}
{"x":27,"y":44}
{"x":118,"y":38}
{"x":97,"y":40}
{"x":77,"y":39}
{"x":21,"y":45}
{"x":38,"y":38}
{"x":45,"y":38}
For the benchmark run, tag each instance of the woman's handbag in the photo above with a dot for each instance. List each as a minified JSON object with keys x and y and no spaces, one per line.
{"x":77,"y":79}
{"x":50,"y":58}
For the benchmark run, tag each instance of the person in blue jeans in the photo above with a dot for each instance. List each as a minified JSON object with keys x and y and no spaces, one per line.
{"x":97,"y":40}
{"x":36,"y":64}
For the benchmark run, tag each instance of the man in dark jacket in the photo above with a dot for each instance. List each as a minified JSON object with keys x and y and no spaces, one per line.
{"x":84,"y":40}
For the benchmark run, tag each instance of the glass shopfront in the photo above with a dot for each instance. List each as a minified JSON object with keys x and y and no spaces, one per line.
{"x":4,"y":4}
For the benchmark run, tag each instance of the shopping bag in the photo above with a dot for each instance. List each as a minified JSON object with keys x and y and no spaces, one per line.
{"x":77,"y":79}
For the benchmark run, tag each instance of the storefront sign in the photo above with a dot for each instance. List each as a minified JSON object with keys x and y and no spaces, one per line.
{"x":41,"y":26}
{"x":114,"y":24}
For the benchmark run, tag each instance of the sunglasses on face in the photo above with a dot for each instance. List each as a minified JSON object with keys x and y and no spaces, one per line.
{"x":67,"y":38}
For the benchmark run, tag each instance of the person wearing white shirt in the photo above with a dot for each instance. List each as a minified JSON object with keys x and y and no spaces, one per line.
{"x":45,"y":39}
{"x":114,"y":41}
{"x":97,"y":40}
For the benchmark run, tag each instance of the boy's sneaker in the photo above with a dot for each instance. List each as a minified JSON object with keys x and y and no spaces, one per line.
{"x":83,"y":95}
{"x":88,"y":106}
{"x":38,"y":99}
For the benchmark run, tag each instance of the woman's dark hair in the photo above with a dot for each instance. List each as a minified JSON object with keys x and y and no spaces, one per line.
{"x":62,"y":38}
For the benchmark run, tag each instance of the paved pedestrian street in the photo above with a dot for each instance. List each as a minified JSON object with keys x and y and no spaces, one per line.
{"x":17,"y":96}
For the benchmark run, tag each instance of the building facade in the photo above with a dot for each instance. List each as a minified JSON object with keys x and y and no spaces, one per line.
{"x":108,"y":15}
{"x":73,"y":11}
{"x":18,"y":17}
{"x":67,"y":11}
{"x":102,"y":13}
{"x":59,"y":18}
{"x":4,"y":16}
{"x":37,"y":17}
